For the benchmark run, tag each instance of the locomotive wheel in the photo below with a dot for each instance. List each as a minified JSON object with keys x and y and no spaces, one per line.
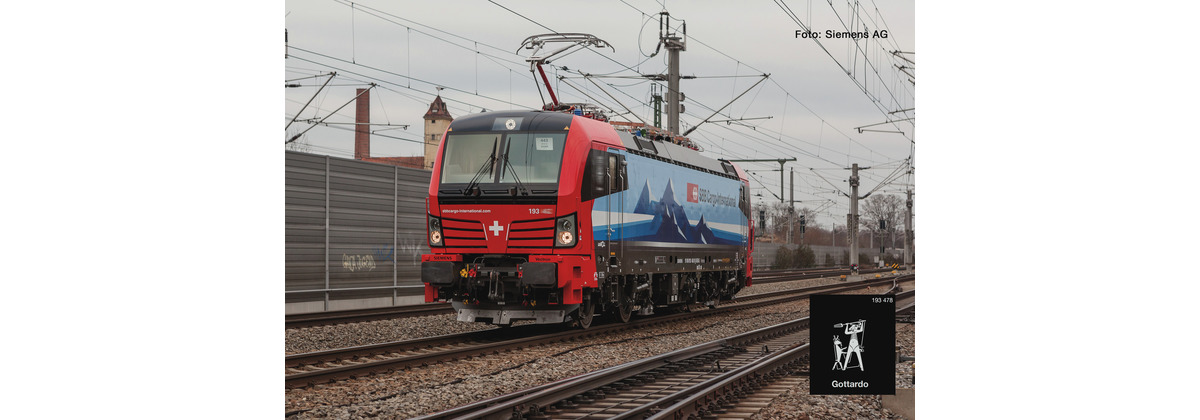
{"x":624,"y":309}
{"x":585,"y":313}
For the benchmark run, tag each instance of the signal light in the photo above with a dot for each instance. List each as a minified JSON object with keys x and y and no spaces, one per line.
{"x":435,"y":231}
{"x":564,"y":231}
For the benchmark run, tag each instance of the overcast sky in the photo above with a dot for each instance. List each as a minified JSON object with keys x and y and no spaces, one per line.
{"x":473,"y":52}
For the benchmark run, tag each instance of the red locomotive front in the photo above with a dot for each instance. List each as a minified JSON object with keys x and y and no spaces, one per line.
{"x":504,"y":216}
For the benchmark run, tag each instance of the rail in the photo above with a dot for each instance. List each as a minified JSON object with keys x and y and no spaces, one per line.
{"x":373,"y":358}
{"x":705,"y":398}
{"x":312,"y":319}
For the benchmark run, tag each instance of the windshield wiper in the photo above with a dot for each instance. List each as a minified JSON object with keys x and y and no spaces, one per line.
{"x":520,"y":185}
{"x":486,"y":168}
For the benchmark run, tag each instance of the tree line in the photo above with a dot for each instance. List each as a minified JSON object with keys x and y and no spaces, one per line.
{"x":886,"y":207}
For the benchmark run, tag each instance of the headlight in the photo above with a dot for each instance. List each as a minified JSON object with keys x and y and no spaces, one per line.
{"x":564,"y":231}
{"x":435,"y":231}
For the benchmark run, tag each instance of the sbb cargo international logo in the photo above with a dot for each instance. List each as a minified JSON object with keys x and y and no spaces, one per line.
{"x":695,"y":194}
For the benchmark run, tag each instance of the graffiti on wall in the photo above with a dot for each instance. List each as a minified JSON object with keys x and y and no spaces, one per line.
{"x":414,"y":248}
{"x":385,"y":253}
{"x":407,"y":249}
{"x":358,"y":262}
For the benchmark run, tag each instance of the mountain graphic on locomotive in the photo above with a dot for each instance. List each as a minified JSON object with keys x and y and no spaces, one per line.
{"x":530,"y":217}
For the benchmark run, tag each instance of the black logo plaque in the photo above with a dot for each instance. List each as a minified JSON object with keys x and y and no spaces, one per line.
{"x":853,"y":341}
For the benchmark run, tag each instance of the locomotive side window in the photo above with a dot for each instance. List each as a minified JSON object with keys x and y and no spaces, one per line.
{"x":595,"y":175}
{"x":604,"y":174}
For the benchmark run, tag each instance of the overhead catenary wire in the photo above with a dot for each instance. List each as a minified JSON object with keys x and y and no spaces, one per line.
{"x":381,"y":83}
{"x":768,"y":185}
{"x":551,"y":29}
{"x":389,"y":18}
{"x":335,"y":125}
{"x":889,"y":179}
{"x":754,"y":135}
{"x":618,"y":102}
{"x":787,"y":10}
{"x":859,"y":47}
{"x":331,"y":76}
{"x":594,"y":100}
{"x":824,"y":122}
{"x":307,"y":77}
{"x":692,"y":38}
{"x":784,"y":140}
{"x":398,"y":75}
{"x":373,"y":133}
{"x":327,"y":116}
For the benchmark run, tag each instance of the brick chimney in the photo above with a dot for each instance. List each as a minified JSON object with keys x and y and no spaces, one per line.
{"x":362,"y":128}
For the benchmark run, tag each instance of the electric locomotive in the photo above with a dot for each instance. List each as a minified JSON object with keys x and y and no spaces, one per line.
{"x":554,"y":217}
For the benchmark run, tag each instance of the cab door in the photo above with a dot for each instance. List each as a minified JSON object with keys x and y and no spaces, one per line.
{"x":616,"y":185}
{"x":604,"y":182}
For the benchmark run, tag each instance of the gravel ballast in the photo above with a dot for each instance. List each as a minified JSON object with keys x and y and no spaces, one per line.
{"x":311,"y":339}
{"x":425,"y":390}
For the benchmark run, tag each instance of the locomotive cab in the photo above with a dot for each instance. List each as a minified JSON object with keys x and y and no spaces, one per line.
{"x":503,"y":230}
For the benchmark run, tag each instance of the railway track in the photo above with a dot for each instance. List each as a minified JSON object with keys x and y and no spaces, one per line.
{"x":906,"y":306}
{"x":425,"y":309}
{"x":362,"y":315}
{"x":319,"y":367}
{"x":733,"y":377}
{"x":642,"y":387}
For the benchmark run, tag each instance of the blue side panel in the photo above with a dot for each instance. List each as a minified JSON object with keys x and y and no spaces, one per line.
{"x":668,"y":203}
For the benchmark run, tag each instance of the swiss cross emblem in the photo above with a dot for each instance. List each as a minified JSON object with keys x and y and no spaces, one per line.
{"x":693,"y":193}
{"x":496,"y":228}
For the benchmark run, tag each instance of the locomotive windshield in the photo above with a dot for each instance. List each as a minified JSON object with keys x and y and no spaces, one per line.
{"x":502,"y":158}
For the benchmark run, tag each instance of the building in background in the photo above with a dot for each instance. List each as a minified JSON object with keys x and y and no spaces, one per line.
{"x":436,"y":121}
